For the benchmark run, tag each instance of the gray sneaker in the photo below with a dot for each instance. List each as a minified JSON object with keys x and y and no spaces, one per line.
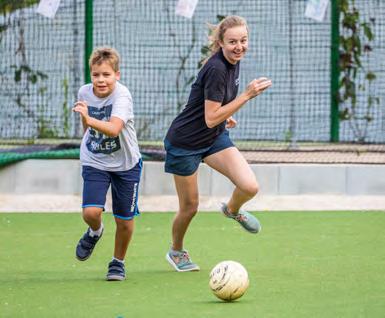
{"x":248,"y":221}
{"x":86,"y":245}
{"x":181,"y":261}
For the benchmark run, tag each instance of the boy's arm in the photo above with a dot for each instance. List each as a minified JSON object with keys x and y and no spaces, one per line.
{"x":111,"y":128}
{"x":84,"y":124}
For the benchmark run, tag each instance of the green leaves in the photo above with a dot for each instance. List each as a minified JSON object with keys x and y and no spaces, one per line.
{"x":8,"y":6}
{"x":370,"y":76}
{"x":368,"y":31}
{"x":355,"y":41}
{"x":30,"y":75}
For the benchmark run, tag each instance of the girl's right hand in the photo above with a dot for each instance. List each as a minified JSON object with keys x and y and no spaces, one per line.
{"x":257,"y":86}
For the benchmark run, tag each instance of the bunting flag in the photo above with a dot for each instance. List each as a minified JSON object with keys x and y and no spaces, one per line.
{"x":186,"y":8}
{"x":316,"y":9}
{"x":48,"y":8}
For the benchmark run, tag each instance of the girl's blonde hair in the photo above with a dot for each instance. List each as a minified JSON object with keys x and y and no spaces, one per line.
{"x":218,"y":31}
{"x":105,"y":55}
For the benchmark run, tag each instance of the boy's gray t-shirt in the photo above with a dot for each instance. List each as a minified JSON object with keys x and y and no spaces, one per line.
{"x":103,"y":152}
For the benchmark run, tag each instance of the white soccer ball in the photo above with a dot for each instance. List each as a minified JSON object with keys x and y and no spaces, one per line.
{"x":229,"y":280}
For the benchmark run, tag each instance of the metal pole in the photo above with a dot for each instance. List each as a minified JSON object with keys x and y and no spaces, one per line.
{"x":293,"y":120}
{"x":88,"y":41}
{"x":76,"y":66}
{"x":335,"y":71}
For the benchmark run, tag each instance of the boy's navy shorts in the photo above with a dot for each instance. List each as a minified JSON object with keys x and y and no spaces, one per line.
{"x":185,"y":162}
{"x":124,"y":189}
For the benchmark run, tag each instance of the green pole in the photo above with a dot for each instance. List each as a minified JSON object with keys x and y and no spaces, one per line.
{"x":88,"y":39}
{"x":335,"y":71}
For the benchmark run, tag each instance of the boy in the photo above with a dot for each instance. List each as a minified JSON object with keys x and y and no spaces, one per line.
{"x":109,"y":154}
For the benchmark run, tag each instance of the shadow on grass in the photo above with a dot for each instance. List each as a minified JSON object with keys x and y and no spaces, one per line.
{"x":85,"y":276}
{"x":237,"y":302}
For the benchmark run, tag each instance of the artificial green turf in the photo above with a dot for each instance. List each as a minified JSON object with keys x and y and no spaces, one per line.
{"x":302,"y":264}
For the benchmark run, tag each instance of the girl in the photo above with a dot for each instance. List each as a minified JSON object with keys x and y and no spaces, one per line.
{"x":199,"y":133}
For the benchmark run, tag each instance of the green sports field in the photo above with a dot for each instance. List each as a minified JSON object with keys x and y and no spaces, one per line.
{"x":302,"y":264}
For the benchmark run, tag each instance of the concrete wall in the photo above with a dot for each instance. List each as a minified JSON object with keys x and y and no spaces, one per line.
{"x":64,"y":177}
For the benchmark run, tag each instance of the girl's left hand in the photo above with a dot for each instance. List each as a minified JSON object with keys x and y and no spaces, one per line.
{"x":230,"y":122}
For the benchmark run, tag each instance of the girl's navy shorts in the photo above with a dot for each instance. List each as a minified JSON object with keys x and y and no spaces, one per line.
{"x":184,"y":162}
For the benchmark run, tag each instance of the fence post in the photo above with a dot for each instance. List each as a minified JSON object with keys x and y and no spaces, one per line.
{"x":88,"y":41}
{"x":334,"y":71}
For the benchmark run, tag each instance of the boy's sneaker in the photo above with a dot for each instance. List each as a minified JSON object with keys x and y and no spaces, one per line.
{"x":86,"y":245}
{"x":116,"y":271}
{"x":248,"y":221}
{"x":181,"y":261}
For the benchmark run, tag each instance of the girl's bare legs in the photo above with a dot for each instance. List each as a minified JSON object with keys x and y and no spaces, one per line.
{"x":188,"y":195}
{"x":234,"y":166}
{"x":187,"y":189}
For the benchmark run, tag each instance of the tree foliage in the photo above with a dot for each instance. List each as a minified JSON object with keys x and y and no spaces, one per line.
{"x":355,"y":44}
{"x":8,"y":6}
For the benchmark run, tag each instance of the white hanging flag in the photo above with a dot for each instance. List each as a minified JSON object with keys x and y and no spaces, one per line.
{"x":48,"y":8}
{"x":186,"y":8}
{"x":316,"y":9}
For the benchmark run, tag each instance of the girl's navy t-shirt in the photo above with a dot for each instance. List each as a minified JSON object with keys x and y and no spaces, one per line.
{"x":218,"y":81}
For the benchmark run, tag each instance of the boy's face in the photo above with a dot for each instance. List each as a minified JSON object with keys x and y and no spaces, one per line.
{"x":235,"y":43}
{"x":103,"y":79}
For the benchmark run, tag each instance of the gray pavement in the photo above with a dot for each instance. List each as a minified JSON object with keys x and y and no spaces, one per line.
{"x":165,"y":203}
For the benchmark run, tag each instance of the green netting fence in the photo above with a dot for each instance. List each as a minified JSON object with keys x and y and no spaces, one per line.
{"x":42,"y":67}
{"x":7,"y":158}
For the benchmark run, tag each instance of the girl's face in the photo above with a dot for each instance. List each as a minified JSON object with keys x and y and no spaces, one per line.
{"x":235,"y":43}
{"x":103,"y":79}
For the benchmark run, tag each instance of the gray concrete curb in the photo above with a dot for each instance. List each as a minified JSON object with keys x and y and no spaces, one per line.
{"x":55,"y":185}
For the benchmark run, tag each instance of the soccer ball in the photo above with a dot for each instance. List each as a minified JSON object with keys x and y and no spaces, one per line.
{"x":229,"y":280}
